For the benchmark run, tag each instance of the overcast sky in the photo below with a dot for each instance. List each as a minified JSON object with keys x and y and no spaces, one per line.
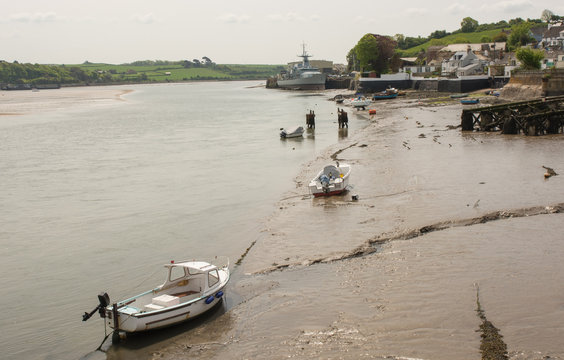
{"x":228,"y":32}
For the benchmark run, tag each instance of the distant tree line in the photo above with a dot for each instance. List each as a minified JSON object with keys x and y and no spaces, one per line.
{"x":30,"y":75}
{"x":36,"y":74}
{"x":469,"y":25}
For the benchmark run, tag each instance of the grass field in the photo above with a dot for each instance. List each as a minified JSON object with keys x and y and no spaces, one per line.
{"x":177,"y":72}
{"x":459,"y":38}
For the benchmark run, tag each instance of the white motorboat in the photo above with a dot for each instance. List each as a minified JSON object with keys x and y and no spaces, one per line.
{"x":191,"y":288}
{"x":360,"y":102}
{"x":331,"y":180}
{"x":292,"y":132}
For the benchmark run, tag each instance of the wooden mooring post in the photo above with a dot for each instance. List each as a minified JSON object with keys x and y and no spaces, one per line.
{"x":342,"y":118}
{"x":534,"y":117}
{"x":310,"y":120}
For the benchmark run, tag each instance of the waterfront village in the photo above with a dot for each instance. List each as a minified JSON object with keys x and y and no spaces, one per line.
{"x":461,"y":67}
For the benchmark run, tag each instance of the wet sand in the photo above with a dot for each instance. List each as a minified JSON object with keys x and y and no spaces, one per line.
{"x":453,"y":234}
{"x":19,"y":102}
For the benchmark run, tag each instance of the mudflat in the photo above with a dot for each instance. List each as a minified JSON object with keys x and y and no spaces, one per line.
{"x":450,"y":252}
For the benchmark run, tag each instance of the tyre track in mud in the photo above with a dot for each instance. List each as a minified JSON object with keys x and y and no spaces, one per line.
{"x":373,"y":245}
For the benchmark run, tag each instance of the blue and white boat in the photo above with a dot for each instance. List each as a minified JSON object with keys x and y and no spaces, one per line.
{"x":190,"y":289}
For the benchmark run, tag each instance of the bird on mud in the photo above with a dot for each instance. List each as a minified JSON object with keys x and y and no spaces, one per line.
{"x":549,"y":172}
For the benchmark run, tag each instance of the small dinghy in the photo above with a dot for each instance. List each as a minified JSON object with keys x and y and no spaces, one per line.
{"x":331,"y":180}
{"x":292,"y":132}
{"x":191,"y":288}
{"x":470,"y":101}
{"x":360,"y":102}
{"x":389,"y":93}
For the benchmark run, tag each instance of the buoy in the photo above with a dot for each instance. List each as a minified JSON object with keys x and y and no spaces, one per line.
{"x":219,"y":294}
{"x":209,"y":299}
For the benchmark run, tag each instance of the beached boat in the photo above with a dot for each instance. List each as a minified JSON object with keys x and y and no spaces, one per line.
{"x":292,"y":132}
{"x":331,"y":180}
{"x":469,"y":101}
{"x":360,"y":102}
{"x":458,"y":96}
{"x":384,"y":96}
{"x":191,"y":288}
{"x":389,"y":93}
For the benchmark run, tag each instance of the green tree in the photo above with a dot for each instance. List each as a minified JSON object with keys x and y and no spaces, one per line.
{"x":486,"y":39}
{"x":468,"y":25}
{"x":516,"y":21}
{"x":530,"y":59}
{"x":352,"y":61}
{"x":500,"y":37}
{"x":438,"y":34}
{"x":519,"y":36}
{"x":367,"y":52}
{"x":374,"y":53}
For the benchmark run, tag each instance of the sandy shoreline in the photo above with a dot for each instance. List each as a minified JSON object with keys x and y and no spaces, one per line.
{"x":399,"y":273}
{"x":27,"y":102}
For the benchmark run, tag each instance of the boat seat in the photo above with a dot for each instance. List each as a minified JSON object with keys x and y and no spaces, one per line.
{"x":153,"y":307}
{"x":186,"y":293}
{"x":331,"y":169}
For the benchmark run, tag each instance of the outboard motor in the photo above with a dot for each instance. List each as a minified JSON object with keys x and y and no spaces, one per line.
{"x":104,"y":300}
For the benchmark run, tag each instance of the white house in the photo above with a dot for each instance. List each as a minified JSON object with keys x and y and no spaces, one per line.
{"x":554,"y":37}
{"x":463,"y":63}
{"x":560,"y":62}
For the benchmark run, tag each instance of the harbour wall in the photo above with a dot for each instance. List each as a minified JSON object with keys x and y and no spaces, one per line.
{"x":535,"y":83}
{"x":466,"y":84}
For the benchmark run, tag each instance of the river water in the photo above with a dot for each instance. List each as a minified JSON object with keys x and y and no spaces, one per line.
{"x":97,"y":194}
{"x":96,"y":197}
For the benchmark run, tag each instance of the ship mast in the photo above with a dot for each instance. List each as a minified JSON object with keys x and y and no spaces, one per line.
{"x":305,"y":56}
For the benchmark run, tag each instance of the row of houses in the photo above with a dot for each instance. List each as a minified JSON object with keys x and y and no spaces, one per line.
{"x":551,"y":38}
{"x":493,"y":59}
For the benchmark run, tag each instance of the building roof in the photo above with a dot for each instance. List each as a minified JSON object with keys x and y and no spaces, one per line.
{"x":553,"y":32}
{"x":473,"y":47}
{"x":538,"y":32}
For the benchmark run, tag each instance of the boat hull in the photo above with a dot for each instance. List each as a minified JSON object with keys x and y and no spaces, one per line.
{"x":292,"y":133}
{"x":335,"y":186}
{"x":139,"y":322}
{"x":313,"y":82}
{"x":193,"y":289}
{"x":384,"y":97}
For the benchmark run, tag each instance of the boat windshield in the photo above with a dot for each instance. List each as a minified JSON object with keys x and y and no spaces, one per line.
{"x":176,"y":272}
{"x":213,"y":278}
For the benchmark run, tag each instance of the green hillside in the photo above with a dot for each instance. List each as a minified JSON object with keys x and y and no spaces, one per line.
{"x":140,"y":71}
{"x":457,"y":38}
{"x":176,"y":71}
